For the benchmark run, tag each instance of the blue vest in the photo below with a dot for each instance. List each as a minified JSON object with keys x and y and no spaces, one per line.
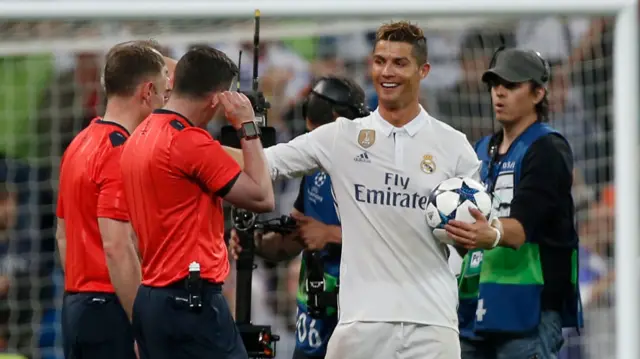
{"x":318,"y":198}
{"x":510,"y":163}
{"x":312,"y":335}
{"x":500,"y":289}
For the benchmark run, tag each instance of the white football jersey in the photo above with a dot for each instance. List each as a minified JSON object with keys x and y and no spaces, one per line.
{"x":392,"y":268}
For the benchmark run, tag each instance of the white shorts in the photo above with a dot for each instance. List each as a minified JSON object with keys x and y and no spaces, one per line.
{"x":379,"y":340}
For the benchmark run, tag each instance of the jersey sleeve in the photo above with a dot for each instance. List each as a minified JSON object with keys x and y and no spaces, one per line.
{"x":468,"y":163}
{"x":194,"y":153}
{"x":111,"y":200}
{"x":304,"y":153}
{"x":546,"y":175}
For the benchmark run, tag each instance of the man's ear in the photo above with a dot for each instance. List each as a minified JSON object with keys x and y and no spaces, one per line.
{"x":215,"y":107}
{"x":540,"y":92}
{"x":146,"y":91}
{"x":424,"y":70}
{"x":214,"y":101}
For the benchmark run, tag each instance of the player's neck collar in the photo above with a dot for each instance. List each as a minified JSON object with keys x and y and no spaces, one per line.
{"x":412,"y":127}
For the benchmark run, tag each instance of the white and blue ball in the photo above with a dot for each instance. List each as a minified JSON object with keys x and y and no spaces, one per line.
{"x":452,"y":199}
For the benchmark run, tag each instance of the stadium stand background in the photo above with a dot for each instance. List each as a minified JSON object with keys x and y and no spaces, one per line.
{"x":46,"y":97}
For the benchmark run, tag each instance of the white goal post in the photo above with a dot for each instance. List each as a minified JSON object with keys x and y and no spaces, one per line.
{"x":626,"y":88}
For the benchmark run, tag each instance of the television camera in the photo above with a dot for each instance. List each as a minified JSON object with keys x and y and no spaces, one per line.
{"x":258,"y":340}
{"x":319,"y":300}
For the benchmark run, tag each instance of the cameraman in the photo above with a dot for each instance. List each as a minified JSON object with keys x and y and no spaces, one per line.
{"x":518,"y":287}
{"x":318,"y":233}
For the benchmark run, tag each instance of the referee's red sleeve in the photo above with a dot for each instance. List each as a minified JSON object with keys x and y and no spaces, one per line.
{"x":195,"y":153}
{"x":111,"y":200}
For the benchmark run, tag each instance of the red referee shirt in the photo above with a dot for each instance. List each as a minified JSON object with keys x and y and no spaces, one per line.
{"x":174,"y":176}
{"x":90,"y":187}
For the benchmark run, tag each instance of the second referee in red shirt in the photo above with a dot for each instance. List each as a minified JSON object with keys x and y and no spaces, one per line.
{"x":101,"y":268}
{"x":175,"y":177}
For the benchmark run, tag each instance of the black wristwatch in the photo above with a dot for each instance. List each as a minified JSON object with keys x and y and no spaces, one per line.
{"x":249,"y":130}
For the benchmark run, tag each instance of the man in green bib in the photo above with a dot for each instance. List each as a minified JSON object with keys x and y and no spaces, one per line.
{"x":518,"y":285}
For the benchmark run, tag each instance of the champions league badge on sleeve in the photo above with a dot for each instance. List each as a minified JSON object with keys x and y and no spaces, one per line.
{"x":321,"y":177}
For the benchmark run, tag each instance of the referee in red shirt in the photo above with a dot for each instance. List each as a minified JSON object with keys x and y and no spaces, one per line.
{"x":102,"y":270}
{"x":175,"y":178}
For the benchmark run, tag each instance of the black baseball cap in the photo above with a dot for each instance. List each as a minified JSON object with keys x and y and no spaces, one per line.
{"x":516,"y":66}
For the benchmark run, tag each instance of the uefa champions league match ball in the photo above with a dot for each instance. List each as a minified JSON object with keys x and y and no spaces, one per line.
{"x":451,"y":199}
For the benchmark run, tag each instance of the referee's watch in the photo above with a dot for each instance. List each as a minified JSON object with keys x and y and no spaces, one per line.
{"x":249,"y":130}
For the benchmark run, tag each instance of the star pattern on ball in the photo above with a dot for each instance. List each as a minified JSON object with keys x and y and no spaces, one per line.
{"x":467,"y":193}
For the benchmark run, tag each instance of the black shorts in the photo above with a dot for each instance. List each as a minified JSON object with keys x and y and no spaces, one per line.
{"x":165,"y":327}
{"x":95,"y":326}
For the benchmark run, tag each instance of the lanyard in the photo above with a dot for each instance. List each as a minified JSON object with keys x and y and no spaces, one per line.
{"x":493,"y":153}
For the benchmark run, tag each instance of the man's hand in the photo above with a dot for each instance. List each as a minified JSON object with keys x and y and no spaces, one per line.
{"x":234,"y":243}
{"x":472,"y":235}
{"x":315,"y":234}
{"x":270,"y":246}
{"x":237,"y":108}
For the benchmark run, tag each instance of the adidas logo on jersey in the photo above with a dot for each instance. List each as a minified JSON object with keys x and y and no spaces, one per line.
{"x":363,"y":157}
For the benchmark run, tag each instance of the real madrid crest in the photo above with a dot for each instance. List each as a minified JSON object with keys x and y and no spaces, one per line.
{"x":366,"y":138}
{"x":428,"y":165}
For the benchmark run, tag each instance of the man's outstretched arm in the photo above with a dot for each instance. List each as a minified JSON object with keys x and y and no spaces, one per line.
{"x":195,"y":153}
{"x":299,"y":156}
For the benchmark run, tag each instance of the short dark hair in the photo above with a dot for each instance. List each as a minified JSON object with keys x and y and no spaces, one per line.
{"x":321,"y":111}
{"x":202,"y":70}
{"x":404,"y":31}
{"x":126,"y":66}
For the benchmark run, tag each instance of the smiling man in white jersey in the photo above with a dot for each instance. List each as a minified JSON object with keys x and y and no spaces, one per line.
{"x":397,"y":295}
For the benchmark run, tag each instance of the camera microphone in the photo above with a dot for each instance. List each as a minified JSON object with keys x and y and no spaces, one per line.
{"x":228,"y":134}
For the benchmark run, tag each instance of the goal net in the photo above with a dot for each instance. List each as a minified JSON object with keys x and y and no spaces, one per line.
{"x":50,"y":89}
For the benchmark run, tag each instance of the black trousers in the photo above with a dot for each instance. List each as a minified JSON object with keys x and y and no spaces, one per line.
{"x":165,"y":327}
{"x":297,"y":354}
{"x":95,"y":326}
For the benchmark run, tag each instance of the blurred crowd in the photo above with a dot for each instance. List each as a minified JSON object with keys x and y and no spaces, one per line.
{"x":46,"y":99}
